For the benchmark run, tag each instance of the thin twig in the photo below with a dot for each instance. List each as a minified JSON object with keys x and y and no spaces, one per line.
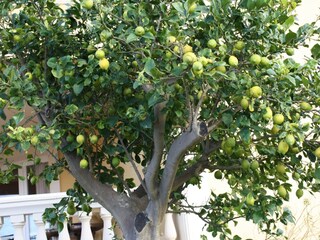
{"x":131,"y":160}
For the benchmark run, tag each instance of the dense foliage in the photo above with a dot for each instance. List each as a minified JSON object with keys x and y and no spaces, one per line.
{"x":169,"y":87}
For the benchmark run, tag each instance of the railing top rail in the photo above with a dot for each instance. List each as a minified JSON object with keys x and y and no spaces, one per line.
{"x":31,"y":198}
{"x":29,"y":204}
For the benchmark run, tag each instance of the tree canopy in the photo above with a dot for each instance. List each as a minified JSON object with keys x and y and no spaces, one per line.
{"x":171,"y":88}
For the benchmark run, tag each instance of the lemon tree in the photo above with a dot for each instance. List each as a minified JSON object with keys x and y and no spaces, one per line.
{"x":171,"y":88}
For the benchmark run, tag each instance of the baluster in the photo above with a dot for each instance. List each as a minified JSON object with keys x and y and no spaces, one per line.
{"x":86,"y":233}
{"x":170,"y":232}
{"x":41,"y":231}
{"x":0,"y":226}
{"x":18,"y":222}
{"x":108,"y":233}
{"x":183,"y":226}
{"x":64,"y":234}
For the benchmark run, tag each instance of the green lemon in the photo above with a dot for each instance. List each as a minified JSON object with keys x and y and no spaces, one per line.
{"x":265,"y":62}
{"x":189,"y":58}
{"x":283,"y":147}
{"x":100,"y":54}
{"x":254,"y":165}
{"x":278,"y":118}
{"x":221,"y":69}
{"x":239,"y":45}
{"x":290,"y":139}
{"x":212,"y":43}
{"x":80,"y":139}
{"x":305,"y":106}
{"x":83,"y":163}
{"x":250,"y":199}
{"x":255,"y":59}
{"x":282,"y":191}
{"x":233,"y":61}
{"x":34,"y":140}
{"x":244,"y":103}
{"x":268,"y":113}
{"x":245,"y":164}
{"x":87,"y":4}
{"x":139,"y":31}
{"x":281,"y":168}
{"x":171,"y":40}
{"x":317,"y":152}
{"x":218,"y":174}
{"x":115,"y":162}
{"x":290,"y":51}
{"x":255,"y":92}
{"x":187,"y":48}
{"x":104,"y":64}
{"x":299,"y":193}
{"x":93,"y":139}
{"x":197,"y":66}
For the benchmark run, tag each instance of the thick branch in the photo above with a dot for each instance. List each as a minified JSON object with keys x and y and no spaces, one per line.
{"x":197,"y":168}
{"x":158,"y":138}
{"x":118,"y":204}
{"x":178,"y":148}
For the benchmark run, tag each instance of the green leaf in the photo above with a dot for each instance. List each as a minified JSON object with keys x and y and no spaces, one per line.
{"x":291,"y":79}
{"x":315,"y":50}
{"x":245,"y":134}
{"x":154,"y":99}
{"x":178,"y":113}
{"x":317,"y":173}
{"x":257,"y":217}
{"x":150,"y":64}
{"x":77,"y":88}
{"x":18,"y":117}
{"x":25,"y":145}
{"x":132,"y":38}
{"x":60,"y":226}
{"x":57,"y":73}
{"x":271,"y":72}
{"x":2,"y":114}
{"x":290,"y":36}
{"x":227,"y":118}
{"x":179,"y":7}
{"x":287,"y":24}
{"x":81,"y":62}
{"x":52,"y":62}
{"x":71,"y":109}
{"x":149,"y":35}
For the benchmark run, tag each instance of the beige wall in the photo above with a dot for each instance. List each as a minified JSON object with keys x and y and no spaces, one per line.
{"x":66,"y":181}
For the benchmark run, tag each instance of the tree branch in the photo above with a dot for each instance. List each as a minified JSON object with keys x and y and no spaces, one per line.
{"x":130,"y":159}
{"x":118,"y":204}
{"x":178,"y":148}
{"x":158,"y":138}
{"x":197,"y":168}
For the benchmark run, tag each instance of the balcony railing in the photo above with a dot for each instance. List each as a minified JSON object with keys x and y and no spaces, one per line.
{"x":24,"y":211}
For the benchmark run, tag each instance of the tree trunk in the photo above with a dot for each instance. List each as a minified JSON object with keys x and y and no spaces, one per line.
{"x":146,"y":225}
{"x":149,"y":231}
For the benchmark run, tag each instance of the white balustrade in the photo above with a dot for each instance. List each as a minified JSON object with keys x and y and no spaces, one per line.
{"x":64,"y":234}
{"x":41,"y":233}
{"x":18,"y":222}
{"x":170,"y":232}
{"x":0,"y":227}
{"x":86,"y":233}
{"x":18,"y":208}
{"x":107,"y":224}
